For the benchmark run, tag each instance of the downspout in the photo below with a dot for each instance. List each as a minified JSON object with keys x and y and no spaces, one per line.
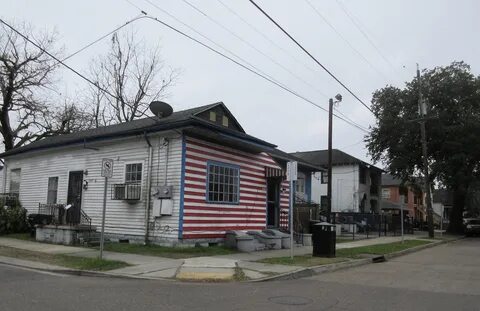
{"x":4,"y":176}
{"x":149,"y":185}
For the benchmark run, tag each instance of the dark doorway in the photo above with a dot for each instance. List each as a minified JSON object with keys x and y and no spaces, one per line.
{"x":273,"y":203}
{"x":74,"y":197}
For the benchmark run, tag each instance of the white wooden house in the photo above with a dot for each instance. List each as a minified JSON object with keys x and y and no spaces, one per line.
{"x":185,"y":178}
{"x":356,"y":184}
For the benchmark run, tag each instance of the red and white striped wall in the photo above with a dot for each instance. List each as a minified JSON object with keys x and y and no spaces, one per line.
{"x":204,"y":220}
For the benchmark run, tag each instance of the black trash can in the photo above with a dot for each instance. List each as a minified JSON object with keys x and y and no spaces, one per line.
{"x":313,"y":223}
{"x":323,"y":239}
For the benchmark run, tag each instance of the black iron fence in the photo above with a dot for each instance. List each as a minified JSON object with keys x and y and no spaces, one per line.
{"x":372,"y":224}
{"x":61,"y":214}
{"x":351,"y":224}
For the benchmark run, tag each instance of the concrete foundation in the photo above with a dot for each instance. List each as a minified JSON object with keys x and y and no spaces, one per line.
{"x":65,"y":235}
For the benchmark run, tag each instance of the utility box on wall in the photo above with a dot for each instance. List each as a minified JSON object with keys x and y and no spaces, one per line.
{"x":162,"y":207}
{"x":162,"y":192}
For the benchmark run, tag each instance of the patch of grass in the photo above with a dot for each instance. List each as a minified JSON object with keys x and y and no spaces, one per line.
{"x":92,"y":264}
{"x":20,"y":236}
{"x":345,"y":240}
{"x":345,"y":254}
{"x":169,"y":252}
{"x":304,"y":261}
{"x":379,"y":249}
{"x":80,"y":263}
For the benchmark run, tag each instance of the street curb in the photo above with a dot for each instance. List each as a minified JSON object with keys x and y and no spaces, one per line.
{"x":88,"y":273}
{"x":297,"y":274}
{"x":311,"y":271}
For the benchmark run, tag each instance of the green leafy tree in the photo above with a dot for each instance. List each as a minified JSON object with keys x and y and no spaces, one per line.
{"x":453,"y":131}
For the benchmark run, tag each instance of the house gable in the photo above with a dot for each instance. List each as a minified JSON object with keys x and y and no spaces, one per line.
{"x":221,"y":116}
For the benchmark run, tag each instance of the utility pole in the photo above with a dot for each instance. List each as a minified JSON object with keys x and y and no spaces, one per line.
{"x":423,"y":114}
{"x":329,"y":184}
{"x":338,"y":98}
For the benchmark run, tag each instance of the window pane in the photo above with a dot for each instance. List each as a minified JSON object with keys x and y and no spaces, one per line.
{"x":223,"y":183}
{"x":133,"y":173}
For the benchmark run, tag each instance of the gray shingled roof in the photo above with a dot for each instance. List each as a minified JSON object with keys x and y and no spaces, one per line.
{"x":390,"y":180}
{"x":151,"y":124}
{"x":320,"y":157}
{"x":178,"y":119}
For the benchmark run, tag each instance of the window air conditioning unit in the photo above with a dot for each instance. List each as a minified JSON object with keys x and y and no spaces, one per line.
{"x":128,"y":192}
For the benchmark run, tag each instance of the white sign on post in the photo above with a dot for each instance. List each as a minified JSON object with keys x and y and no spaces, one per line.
{"x":107,"y":168}
{"x":292,"y":171}
{"x":291,"y":178}
{"x":107,"y":172}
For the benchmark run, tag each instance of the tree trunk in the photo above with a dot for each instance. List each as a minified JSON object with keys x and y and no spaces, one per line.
{"x":456,"y":216}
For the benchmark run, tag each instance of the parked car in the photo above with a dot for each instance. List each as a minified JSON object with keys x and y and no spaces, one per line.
{"x":472,"y":226}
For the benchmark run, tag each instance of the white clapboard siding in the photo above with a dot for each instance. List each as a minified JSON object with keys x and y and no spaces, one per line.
{"x":122,"y":218}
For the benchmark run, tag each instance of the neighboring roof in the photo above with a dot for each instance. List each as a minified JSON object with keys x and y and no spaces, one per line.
{"x":151,"y":124}
{"x":320,"y":158}
{"x":388,"y":205}
{"x":278,"y":154}
{"x":390,"y":180}
{"x":443,"y":196}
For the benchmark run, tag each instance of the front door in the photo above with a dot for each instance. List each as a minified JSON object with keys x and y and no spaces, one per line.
{"x":74,"y":197}
{"x":273,"y":203}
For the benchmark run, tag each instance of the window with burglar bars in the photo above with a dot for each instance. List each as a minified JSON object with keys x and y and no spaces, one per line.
{"x":133,"y":173}
{"x":223,"y":183}
{"x":52,"y":190}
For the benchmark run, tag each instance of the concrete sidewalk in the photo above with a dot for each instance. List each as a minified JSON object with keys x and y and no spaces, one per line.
{"x":224,"y":267}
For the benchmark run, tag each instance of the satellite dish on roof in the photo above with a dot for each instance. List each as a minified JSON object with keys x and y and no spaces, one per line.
{"x":161,"y":109}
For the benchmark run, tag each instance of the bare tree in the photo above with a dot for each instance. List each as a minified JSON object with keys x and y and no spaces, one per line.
{"x":134,"y":74}
{"x":26,"y":78}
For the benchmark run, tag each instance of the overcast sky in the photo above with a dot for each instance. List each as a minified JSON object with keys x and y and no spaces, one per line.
{"x":403,"y":32}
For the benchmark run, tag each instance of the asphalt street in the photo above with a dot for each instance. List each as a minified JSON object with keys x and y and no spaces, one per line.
{"x":446,"y":277}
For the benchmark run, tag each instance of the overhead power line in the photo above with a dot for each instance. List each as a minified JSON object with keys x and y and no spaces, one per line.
{"x":59,"y":61}
{"x":208,"y":39}
{"x":345,"y":40}
{"x":253,"y":47}
{"x":364,"y":33}
{"x":56,"y":58}
{"x":140,"y":16}
{"x":250,"y":69}
{"x":187,"y":36}
{"x":311,"y":56}
{"x":267,"y":38}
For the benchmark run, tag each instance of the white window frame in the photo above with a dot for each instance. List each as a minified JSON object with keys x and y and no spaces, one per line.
{"x":235,"y":184}
{"x":125,"y":171}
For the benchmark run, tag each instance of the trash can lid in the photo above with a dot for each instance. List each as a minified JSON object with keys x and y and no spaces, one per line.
{"x":324,"y":224}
